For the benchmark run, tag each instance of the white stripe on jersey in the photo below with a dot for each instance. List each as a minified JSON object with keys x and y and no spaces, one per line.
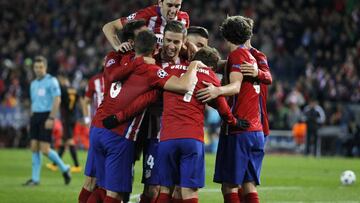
{"x":129,"y":130}
{"x":163,"y":23}
{"x":98,"y":91}
{"x":152,"y":23}
{"x":138,"y":127}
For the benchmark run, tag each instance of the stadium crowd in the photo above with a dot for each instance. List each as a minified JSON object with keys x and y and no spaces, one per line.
{"x":308,"y":58}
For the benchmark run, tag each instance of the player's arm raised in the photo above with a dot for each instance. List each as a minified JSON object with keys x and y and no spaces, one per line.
{"x":110,"y":30}
{"x":186,"y":81}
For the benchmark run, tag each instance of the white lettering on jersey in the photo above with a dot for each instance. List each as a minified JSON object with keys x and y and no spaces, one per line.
{"x":115,"y":89}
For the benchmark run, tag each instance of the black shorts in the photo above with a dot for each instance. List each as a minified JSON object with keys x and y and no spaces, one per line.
{"x":37,"y":127}
{"x":68,"y":128}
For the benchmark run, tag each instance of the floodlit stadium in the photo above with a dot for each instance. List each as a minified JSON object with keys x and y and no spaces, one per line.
{"x":180,"y":101}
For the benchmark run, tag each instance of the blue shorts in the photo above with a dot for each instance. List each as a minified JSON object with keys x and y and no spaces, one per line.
{"x":239,"y":158}
{"x":114,"y":158}
{"x":90,"y":161}
{"x":150,"y":174}
{"x":181,"y":162}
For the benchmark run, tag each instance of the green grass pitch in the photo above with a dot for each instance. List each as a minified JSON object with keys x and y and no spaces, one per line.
{"x":284,"y":178}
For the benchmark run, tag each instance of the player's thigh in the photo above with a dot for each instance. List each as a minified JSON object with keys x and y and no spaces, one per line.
{"x":150,"y":163}
{"x":34,"y":145}
{"x":119,"y":157}
{"x":192,"y":166}
{"x":168,"y":161}
{"x":44,"y":147}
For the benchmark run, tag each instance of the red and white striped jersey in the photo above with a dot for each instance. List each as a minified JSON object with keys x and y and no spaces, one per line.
{"x":155,"y":21}
{"x":95,"y":91}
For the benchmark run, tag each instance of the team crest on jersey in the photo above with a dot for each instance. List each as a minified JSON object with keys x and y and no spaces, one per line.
{"x":161,"y":73}
{"x":109,"y":63}
{"x":131,"y":17}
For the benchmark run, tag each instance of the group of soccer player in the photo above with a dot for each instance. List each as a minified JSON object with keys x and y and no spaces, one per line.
{"x":156,"y":85}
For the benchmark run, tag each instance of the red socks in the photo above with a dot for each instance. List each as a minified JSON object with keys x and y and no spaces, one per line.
{"x":231,"y":198}
{"x":111,"y":200}
{"x":146,"y":199}
{"x":84,"y":195}
{"x":240,"y":193}
{"x":97,"y":196}
{"x":164,"y":198}
{"x":252,"y":197}
{"x":192,"y":200}
{"x":176,"y":200}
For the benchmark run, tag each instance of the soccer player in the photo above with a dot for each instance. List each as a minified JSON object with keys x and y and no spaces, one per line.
{"x":114,"y":145}
{"x":181,"y":148}
{"x":156,"y":17}
{"x":198,"y":36}
{"x":45,"y":100}
{"x":69,"y":99}
{"x":128,"y":36}
{"x":242,"y":167}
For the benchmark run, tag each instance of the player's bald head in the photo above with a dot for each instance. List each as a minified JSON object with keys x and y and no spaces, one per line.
{"x":237,"y":29}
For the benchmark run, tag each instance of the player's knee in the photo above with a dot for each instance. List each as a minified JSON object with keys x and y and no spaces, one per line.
{"x":227,"y":188}
{"x":188,"y":193}
{"x":90,"y":183}
{"x":153,"y":190}
{"x":165,"y":190}
{"x":249,"y":187}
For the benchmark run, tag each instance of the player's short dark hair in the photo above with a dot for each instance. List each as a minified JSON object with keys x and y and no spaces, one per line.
{"x":41,"y":59}
{"x":208,"y":55}
{"x":237,"y":29}
{"x":128,"y":31}
{"x":145,"y":42}
{"x":175,"y":26}
{"x":198,"y":30}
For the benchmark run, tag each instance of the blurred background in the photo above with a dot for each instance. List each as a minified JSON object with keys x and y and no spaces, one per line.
{"x":313,"y":49}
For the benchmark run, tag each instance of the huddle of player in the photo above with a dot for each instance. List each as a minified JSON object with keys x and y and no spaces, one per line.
{"x":156,"y":86}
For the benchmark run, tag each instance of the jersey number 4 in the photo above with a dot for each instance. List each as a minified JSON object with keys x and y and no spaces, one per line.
{"x":150,"y":161}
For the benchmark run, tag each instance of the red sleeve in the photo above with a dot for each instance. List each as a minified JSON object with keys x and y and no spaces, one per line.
{"x":184,"y":18}
{"x":138,"y":105}
{"x":119,"y":70}
{"x":235,"y":60}
{"x":145,"y":14}
{"x":157,"y":76}
{"x":90,"y":88}
{"x":264,"y":74}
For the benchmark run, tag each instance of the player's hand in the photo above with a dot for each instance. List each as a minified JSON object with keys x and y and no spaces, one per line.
{"x":149,"y":60}
{"x":248,"y":69}
{"x":125,"y":47}
{"x":242,"y":124}
{"x":208,"y":93}
{"x":49,"y":124}
{"x":111,"y":122}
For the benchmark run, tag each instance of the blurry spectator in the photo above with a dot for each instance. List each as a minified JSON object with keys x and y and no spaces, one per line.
{"x":315,"y":116}
{"x":212,"y":123}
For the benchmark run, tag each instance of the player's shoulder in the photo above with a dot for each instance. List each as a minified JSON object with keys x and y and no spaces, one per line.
{"x":183,"y":15}
{"x":152,"y":10}
{"x":207,"y":74}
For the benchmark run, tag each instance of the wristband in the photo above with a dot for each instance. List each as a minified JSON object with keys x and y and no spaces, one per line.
{"x":87,"y":120}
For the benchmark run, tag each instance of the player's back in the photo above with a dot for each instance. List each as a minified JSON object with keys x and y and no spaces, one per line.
{"x":118,"y":95}
{"x":69,"y":98}
{"x":245,"y":105}
{"x":183,"y":116}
